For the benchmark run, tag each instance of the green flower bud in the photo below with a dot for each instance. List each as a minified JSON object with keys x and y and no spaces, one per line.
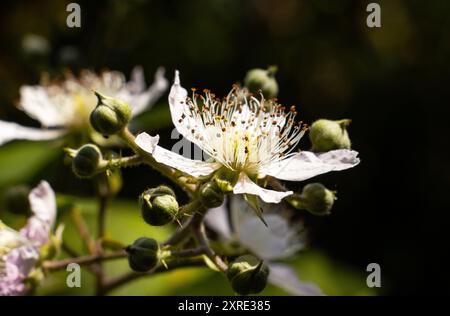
{"x":159,"y":206}
{"x":226,"y":179}
{"x":110,"y":115}
{"x":317,"y":199}
{"x":328,"y":135}
{"x":16,"y":200}
{"x":143,"y":254}
{"x":248,"y":275}
{"x":211,"y":195}
{"x":86,"y":161}
{"x":262,"y":80}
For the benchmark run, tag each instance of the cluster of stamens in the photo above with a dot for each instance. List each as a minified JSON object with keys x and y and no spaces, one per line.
{"x":241,"y":131}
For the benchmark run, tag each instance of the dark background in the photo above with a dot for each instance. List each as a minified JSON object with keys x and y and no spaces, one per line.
{"x":392,"y":82}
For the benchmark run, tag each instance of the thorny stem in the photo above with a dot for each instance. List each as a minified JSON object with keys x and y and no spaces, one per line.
{"x":121,"y":162}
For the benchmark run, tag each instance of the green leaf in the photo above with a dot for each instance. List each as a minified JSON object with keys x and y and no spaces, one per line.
{"x":19,"y":161}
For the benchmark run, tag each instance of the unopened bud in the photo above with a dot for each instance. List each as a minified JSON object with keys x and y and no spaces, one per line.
{"x":86,"y":161}
{"x":16,"y":200}
{"x":143,"y":254}
{"x":110,"y":115}
{"x":262,"y":80}
{"x":317,"y":199}
{"x":159,"y":206}
{"x":326,"y":135}
{"x":248,"y":275}
{"x":211,"y":195}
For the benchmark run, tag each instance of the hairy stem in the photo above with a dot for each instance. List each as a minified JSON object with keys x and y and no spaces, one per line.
{"x":120,"y":162}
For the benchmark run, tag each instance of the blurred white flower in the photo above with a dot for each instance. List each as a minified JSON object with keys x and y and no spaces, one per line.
{"x":19,"y":251}
{"x":66,"y":105}
{"x":35,"y":44}
{"x":250,"y":137}
{"x":277,"y":241}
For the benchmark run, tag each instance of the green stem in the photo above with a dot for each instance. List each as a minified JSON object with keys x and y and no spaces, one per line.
{"x":200,"y":235}
{"x":120,"y":162}
{"x":174,"y":175}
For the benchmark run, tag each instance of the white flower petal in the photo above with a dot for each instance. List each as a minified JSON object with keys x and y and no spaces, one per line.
{"x":267,"y":243}
{"x":17,"y":257}
{"x":36,"y":231}
{"x":43,"y":202}
{"x":11,"y":131}
{"x":194,"y":168}
{"x":50,"y":111}
{"x":139,"y":99}
{"x":305,"y":165}
{"x":43,"y":205}
{"x":275,"y":241}
{"x":245,"y":185}
{"x":137,"y":80}
{"x":178,"y":107}
{"x":284,"y":277}
{"x":24,"y":258}
{"x":217,"y":219}
{"x":9,"y":238}
{"x":146,"y":142}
